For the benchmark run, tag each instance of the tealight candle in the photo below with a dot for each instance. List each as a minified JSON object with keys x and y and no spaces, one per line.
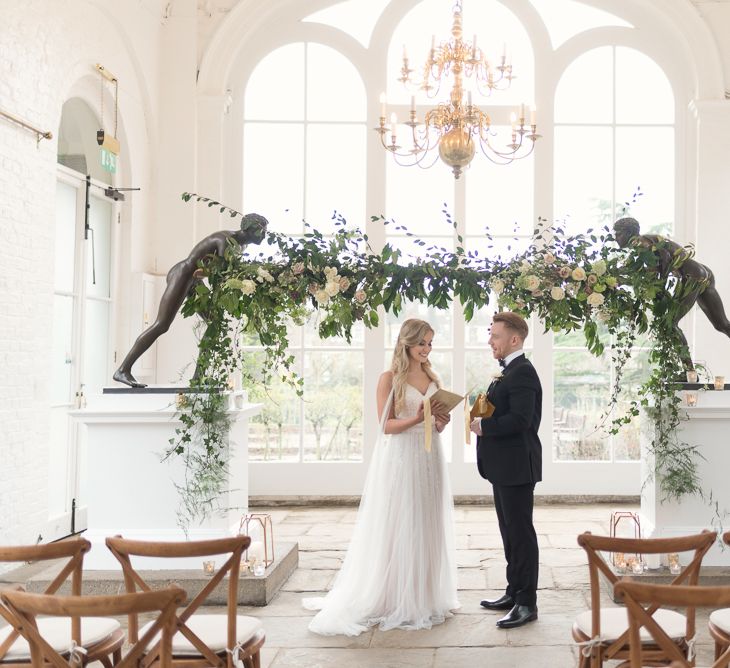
{"x":637,"y":567}
{"x":691,"y":398}
{"x":673,"y":561}
{"x":719,"y":382}
{"x":692,"y":376}
{"x":619,"y":561}
{"x":259,"y":569}
{"x":209,"y":567}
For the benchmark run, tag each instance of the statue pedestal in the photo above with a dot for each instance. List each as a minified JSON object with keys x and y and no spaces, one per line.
{"x":707,"y":428}
{"x":128,"y":490}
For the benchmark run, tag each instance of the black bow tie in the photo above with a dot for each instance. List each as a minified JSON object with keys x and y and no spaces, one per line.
{"x":502,"y":363}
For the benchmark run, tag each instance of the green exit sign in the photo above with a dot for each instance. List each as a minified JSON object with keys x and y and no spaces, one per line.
{"x":108,"y":160}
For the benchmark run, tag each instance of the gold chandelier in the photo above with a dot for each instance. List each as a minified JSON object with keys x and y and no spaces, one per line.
{"x":456,"y":126}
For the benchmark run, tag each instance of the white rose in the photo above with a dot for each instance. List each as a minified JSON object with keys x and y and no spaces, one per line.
{"x":602,"y":315}
{"x":595,"y":299}
{"x":331,"y":273}
{"x":599,"y":267}
{"x":557,"y":293}
{"x":322,"y":297}
{"x":344,"y":283}
{"x":248,"y":286}
{"x":525,"y":267}
{"x":297,"y":268}
{"x":361,"y":296}
{"x":549,"y":258}
{"x":497,"y":286}
{"x":264,"y":275}
{"x":578,"y":274}
{"x":332,"y":288}
{"x":532,"y":282}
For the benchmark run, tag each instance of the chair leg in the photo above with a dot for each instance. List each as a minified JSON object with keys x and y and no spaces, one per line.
{"x":104,"y":660}
{"x":117,"y":656}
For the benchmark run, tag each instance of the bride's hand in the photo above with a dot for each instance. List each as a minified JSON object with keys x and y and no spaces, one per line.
{"x":437,"y":408}
{"x":419,"y":413}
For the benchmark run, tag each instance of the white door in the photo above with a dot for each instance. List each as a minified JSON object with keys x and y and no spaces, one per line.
{"x":81,"y":356}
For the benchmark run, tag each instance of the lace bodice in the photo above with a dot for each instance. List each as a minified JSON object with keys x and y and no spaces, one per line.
{"x":413,"y":400}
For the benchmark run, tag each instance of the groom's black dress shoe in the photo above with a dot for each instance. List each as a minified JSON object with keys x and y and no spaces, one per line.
{"x":504,"y":602}
{"x":519,"y":615}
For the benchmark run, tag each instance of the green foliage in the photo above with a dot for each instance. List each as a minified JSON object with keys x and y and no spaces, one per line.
{"x":572,"y":283}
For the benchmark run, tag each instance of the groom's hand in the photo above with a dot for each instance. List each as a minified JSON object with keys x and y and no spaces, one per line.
{"x":476,"y":426}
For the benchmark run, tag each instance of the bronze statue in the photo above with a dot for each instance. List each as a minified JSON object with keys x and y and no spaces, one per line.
{"x":181,"y":280}
{"x":703,"y":292}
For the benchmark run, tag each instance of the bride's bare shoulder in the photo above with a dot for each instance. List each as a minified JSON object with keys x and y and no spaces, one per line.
{"x":386,"y":379}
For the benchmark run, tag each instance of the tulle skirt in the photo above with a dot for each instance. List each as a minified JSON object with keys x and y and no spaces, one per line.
{"x":400,"y":567}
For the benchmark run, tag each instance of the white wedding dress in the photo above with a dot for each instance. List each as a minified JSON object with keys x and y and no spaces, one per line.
{"x":400,"y":567}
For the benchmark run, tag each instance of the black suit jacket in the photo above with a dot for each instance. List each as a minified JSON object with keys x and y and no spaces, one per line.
{"x":509,"y":451}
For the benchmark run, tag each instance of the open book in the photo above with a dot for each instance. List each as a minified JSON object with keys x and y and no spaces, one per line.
{"x":449,"y":399}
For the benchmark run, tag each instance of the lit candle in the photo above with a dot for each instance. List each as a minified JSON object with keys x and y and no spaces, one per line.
{"x":719,"y":382}
{"x":393,"y":123}
{"x":474,"y":46}
{"x":209,"y":567}
{"x":691,"y":398}
{"x":405,"y":55}
{"x":533,"y":116}
{"x":692,"y":376}
{"x":433,"y":42}
{"x":468,"y":98}
{"x":504,"y":52}
{"x":382,"y":105}
{"x":256,"y":550}
{"x":522,"y":114}
{"x":513,"y":121}
{"x":413,"y":103}
{"x":673,"y":562}
{"x":619,"y":560}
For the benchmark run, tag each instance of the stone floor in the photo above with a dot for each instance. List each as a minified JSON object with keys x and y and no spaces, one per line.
{"x":468,"y":639}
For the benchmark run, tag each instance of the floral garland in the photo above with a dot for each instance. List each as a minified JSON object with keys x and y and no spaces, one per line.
{"x":571,"y":282}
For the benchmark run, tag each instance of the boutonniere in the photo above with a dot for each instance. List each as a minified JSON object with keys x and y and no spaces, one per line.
{"x":497,"y":377}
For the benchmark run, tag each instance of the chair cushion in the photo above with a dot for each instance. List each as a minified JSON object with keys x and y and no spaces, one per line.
{"x":721,"y":619}
{"x":213,"y":631}
{"x":57,"y":633}
{"x":614,"y":621}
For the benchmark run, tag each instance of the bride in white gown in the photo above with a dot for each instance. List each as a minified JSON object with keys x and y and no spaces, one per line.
{"x":400,"y":567}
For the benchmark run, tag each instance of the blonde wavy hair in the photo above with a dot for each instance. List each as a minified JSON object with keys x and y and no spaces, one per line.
{"x":411,"y":334}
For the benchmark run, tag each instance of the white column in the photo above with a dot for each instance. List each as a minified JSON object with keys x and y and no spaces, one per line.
{"x":713,"y":231}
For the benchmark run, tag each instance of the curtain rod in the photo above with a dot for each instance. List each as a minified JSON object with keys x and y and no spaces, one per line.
{"x":40,"y":134}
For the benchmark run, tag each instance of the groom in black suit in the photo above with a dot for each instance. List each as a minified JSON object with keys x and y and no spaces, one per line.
{"x":509,"y":455}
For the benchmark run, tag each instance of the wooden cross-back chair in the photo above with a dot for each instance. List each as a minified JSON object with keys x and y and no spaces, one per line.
{"x":637,"y":595}
{"x":200,"y":640}
{"x":101,"y":638}
{"x":720,"y":620}
{"x":26,"y":608}
{"x":603,"y":633}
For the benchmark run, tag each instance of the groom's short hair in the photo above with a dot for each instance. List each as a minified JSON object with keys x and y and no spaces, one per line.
{"x":513,"y":321}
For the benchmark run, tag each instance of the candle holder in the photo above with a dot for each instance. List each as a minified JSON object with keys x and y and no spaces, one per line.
{"x":259,"y":569}
{"x":261,"y":530}
{"x":692,"y":376}
{"x":624,"y":524}
{"x":675,"y":568}
{"x":690,"y":398}
{"x":209,"y":567}
{"x":619,"y":561}
{"x":719,"y":382}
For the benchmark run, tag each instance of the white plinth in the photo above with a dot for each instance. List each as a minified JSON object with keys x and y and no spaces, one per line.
{"x":130,"y":491}
{"x":708,"y":428}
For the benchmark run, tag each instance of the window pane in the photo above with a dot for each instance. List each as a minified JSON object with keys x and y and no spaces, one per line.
{"x":65,"y":247}
{"x":58,"y":461}
{"x":581,"y":391}
{"x":96,"y":346}
{"x":312,"y":339}
{"x":439,"y":319}
{"x":335,"y":90}
{"x":643,"y":92}
{"x":285,"y":100}
{"x":341,"y":188}
{"x":99,"y":249}
{"x":566,"y":18}
{"x":645,"y":159}
{"x":585,"y":91}
{"x":272,"y":186}
{"x":333,"y":406}
{"x":499,"y":198}
{"x":62,"y":349}
{"x":499,"y":247}
{"x":355,"y":17}
{"x":275,"y":432}
{"x":417,"y":198}
{"x":583,"y":177}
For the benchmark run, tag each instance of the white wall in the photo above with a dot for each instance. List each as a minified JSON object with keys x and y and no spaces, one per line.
{"x":47,"y":53}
